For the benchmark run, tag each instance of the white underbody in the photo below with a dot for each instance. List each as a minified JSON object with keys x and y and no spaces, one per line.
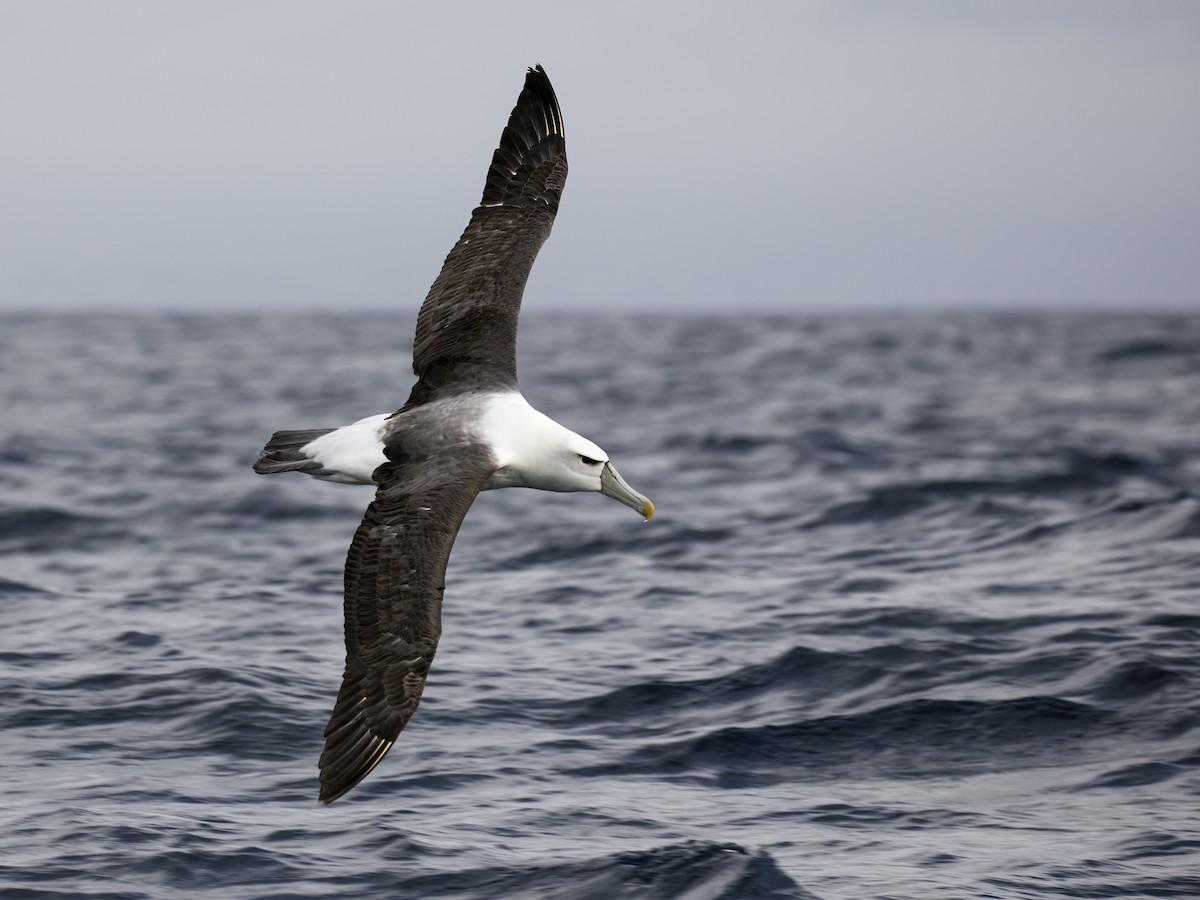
{"x":524,"y":444}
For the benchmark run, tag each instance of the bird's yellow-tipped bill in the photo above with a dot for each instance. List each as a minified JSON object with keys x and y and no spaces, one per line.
{"x":612,"y":484}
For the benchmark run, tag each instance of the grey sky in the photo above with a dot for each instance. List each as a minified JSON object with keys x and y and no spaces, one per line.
{"x":724,"y":156}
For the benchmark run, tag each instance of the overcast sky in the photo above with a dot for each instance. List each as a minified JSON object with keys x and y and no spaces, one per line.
{"x":724,"y":156}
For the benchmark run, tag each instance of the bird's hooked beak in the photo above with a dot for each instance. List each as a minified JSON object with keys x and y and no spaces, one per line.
{"x":612,"y":484}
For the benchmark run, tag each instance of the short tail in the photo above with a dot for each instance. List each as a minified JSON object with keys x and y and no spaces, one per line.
{"x":284,"y":452}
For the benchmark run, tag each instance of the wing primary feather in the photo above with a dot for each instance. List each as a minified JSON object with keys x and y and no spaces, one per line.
{"x":535,"y":119}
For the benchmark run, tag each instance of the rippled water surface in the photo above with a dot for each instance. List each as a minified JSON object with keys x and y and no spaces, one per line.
{"x":918,"y":616}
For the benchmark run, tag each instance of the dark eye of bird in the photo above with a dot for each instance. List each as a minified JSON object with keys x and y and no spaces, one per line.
{"x":588,"y":461}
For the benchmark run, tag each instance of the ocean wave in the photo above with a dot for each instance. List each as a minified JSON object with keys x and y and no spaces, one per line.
{"x":1077,"y":471}
{"x":19,"y":587}
{"x":911,"y":739}
{"x":1136,"y":775}
{"x":694,"y":870}
{"x":813,"y":671}
{"x":45,"y":529}
{"x":1149,"y":349}
{"x":1136,"y":680}
{"x":264,"y":504}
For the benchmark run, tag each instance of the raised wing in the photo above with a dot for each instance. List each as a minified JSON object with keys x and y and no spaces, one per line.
{"x":395,"y":575}
{"x":467,"y":328}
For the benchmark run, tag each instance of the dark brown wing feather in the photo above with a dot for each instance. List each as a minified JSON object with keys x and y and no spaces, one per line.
{"x":395,"y":575}
{"x":467,"y":328}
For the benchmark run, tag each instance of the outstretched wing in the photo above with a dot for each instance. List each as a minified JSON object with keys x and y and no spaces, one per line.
{"x":467,"y":328}
{"x":395,"y":575}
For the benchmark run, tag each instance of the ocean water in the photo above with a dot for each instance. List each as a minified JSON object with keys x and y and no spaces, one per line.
{"x":918,"y":617}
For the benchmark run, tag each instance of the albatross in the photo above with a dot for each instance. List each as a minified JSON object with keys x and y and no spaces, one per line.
{"x":465,"y":428}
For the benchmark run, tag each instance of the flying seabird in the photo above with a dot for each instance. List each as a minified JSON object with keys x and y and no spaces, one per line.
{"x":465,"y":428}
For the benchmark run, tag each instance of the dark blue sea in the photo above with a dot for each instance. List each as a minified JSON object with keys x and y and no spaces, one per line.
{"x":918,"y":617}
